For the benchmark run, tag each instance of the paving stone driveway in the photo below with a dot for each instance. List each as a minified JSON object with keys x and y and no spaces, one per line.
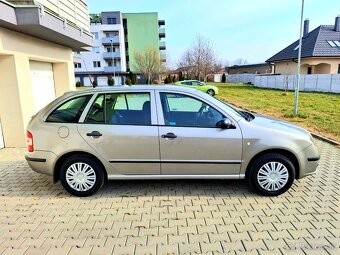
{"x":170,"y":217}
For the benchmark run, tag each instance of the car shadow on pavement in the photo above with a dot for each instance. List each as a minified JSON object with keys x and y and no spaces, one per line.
{"x":17,"y":179}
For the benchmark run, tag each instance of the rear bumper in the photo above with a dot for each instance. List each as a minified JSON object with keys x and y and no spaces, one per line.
{"x":41,"y":161}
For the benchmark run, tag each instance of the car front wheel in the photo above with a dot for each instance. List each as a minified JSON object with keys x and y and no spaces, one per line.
{"x":211,"y":92}
{"x":81,"y":176}
{"x":271,"y":175}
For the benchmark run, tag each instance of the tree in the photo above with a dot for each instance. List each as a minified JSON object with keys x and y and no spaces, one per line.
{"x":199,"y":59}
{"x":110,"y":81}
{"x":149,"y":63}
{"x":180,"y":76}
{"x":240,"y":62}
{"x":223,"y":78}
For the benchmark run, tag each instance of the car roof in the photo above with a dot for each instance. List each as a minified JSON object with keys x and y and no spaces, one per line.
{"x":130,"y":88}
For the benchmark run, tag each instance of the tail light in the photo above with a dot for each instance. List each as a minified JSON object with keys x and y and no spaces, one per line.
{"x":29,"y":141}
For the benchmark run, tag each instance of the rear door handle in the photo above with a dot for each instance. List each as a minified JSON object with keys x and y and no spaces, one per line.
{"x":94,"y":134}
{"x":169,"y":135}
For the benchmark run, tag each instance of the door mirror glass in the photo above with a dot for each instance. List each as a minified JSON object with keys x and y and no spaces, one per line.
{"x":225,"y":124}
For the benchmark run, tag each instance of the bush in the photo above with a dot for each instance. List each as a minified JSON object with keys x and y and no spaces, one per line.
{"x":128,"y":81}
{"x":166,"y":80}
{"x":133,"y":79}
{"x":223,"y":78}
{"x":94,"y":84}
{"x":110,"y":81}
{"x":78,"y":84}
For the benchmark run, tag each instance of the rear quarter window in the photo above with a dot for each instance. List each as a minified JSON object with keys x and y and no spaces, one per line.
{"x":70,"y":111}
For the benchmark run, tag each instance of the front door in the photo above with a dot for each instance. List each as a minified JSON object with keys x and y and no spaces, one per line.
{"x":122,"y":128}
{"x":190,"y":142}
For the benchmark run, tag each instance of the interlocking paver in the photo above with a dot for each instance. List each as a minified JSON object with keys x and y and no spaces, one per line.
{"x":170,"y":217}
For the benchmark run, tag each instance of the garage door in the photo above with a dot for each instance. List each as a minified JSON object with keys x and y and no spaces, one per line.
{"x":102,"y":80}
{"x":42,"y":84}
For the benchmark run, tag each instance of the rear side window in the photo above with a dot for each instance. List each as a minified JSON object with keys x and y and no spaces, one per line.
{"x":70,"y":111}
{"x":121,"y":109}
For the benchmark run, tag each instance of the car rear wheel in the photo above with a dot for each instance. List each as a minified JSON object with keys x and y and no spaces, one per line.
{"x":211,"y":92}
{"x":81,"y":176}
{"x":271,"y":175}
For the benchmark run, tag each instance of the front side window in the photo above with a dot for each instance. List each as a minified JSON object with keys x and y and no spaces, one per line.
{"x":70,"y":111}
{"x":196,"y":83}
{"x":185,"y":111}
{"x":121,"y":109}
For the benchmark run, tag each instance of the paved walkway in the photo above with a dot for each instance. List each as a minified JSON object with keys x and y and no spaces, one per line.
{"x":169,"y":217}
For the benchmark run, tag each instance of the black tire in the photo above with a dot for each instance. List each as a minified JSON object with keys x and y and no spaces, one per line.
{"x":211,"y":92}
{"x":98,"y":170}
{"x":263,"y":160}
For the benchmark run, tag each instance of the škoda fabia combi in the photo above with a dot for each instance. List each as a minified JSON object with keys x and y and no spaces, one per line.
{"x":88,"y":137}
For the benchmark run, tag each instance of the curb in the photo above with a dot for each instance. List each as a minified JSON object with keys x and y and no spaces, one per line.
{"x":325,"y":139}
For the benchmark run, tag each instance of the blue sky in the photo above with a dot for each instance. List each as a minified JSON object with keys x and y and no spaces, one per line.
{"x":249,"y":29}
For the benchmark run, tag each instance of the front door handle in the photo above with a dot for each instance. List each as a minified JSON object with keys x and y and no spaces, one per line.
{"x":94,"y":134}
{"x":169,"y":135}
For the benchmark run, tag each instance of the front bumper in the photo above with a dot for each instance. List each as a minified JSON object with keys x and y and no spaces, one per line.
{"x":41,"y":161}
{"x":309,"y":159}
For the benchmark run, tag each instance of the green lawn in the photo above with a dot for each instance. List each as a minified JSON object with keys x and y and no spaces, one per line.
{"x":318,"y":112}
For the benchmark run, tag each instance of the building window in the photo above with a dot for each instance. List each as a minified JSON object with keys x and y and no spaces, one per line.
{"x":95,"y":50}
{"x":95,"y":35}
{"x":96,"y":63}
{"x":77,"y":65}
{"x":339,"y":68}
{"x":108,"y":49}
{"x":109,"y":62}
{"x":111,"y":21}
{"x":111,"y":34}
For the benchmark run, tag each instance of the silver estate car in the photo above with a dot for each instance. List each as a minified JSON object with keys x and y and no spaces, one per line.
{"x":88,"y":137}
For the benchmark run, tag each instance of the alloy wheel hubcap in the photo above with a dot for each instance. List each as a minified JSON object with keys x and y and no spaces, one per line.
{"x":80,"y":176}
{"x":273,"y":176}
{"x":210,"y":92}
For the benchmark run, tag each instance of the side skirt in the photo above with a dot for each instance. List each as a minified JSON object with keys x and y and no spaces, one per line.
{"x":174,"y":176}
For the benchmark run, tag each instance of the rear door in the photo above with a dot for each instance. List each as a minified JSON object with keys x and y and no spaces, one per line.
{"x":190,"y":142}
{"x":122,"y":128}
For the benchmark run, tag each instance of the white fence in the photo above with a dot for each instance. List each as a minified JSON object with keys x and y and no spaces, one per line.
{"x":309,"y":82}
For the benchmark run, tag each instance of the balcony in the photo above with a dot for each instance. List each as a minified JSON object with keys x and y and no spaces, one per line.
{"x":111,"y":55}
{"x":162,"y":33}
{"x":107,"y":40}
{"x":161,"y":22}
{"x":38,"y":21}
{"x":109,"y":69}
{"x":162,"y":45}
{"x":163,"y":56}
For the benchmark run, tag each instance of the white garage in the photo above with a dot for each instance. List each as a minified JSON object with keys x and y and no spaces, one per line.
{"x":42,"y":84}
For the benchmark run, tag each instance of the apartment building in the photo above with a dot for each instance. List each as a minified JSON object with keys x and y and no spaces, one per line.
{"x":116,"y":38}
{"x":37,"y":40}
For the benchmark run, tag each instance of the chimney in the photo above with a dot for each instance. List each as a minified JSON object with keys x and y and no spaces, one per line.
{"x":305,"y":28}
{"x":337,"y":24}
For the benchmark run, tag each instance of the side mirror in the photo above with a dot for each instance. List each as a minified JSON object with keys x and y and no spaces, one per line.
{"x":225,"y":124}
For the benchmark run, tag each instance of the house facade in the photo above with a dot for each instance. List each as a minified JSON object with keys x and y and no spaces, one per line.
{"x":37,"y":40}
{"x":262,"y":68}
{"x":117,"y":37}
{"x":320,"y":52}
